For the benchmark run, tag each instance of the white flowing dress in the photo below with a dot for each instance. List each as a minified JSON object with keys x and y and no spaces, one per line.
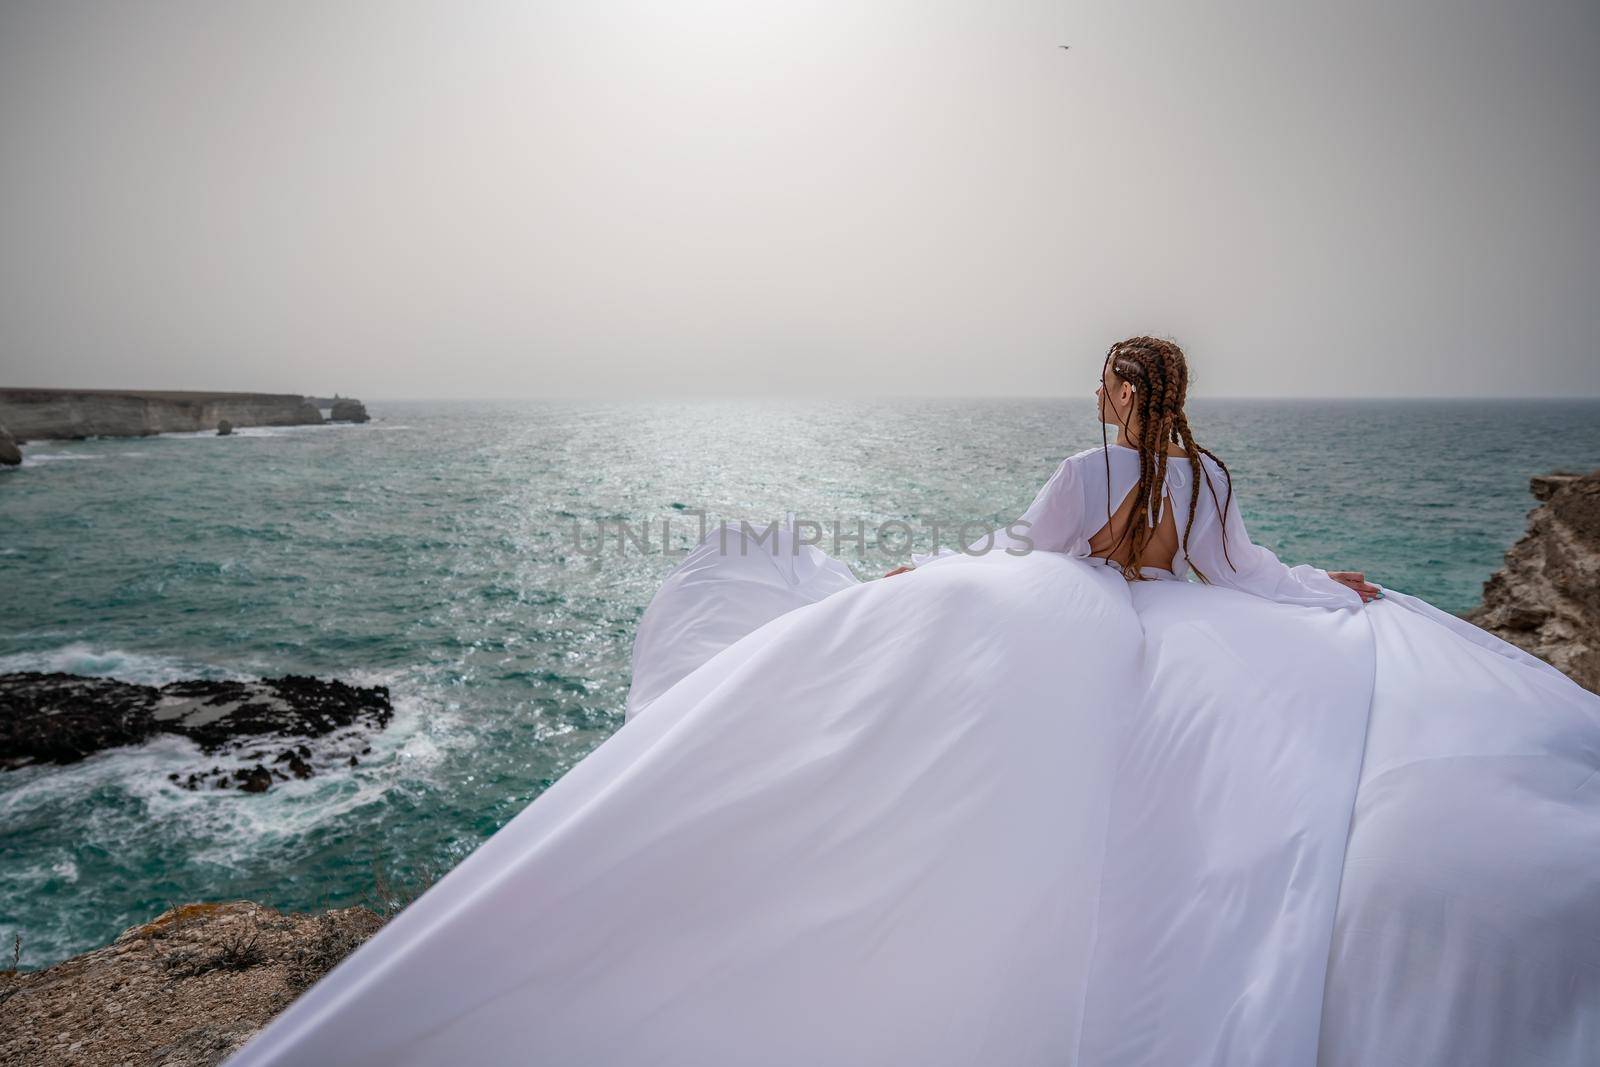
{"x":1010,"y":808}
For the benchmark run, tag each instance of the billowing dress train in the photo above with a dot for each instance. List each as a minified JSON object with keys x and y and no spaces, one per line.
{"x":1010,"y":808}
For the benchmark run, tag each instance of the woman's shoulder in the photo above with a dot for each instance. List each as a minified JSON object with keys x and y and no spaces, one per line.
{"x":1219,"y":481}
{"x":1099,"y":456}
{"x":1087,"y":460}
{"x":1214,"y":468}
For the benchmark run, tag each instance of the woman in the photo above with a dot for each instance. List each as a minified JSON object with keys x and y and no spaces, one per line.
{"x":1041,"y":801}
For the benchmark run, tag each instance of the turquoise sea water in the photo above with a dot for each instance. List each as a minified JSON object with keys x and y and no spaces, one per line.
{"x":433,"y":551}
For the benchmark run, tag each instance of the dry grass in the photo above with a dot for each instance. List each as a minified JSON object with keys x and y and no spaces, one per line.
{"x":329,"y":942}
{"x":191,"y":985}
{"x":388,"y":895}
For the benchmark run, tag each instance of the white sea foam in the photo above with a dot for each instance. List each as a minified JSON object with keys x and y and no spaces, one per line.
{"x":225,"y":827}
{"x":188,"y":435}
{"x":252,"y":431}
{"x":285,"y":431}
{"x":136,"y":667}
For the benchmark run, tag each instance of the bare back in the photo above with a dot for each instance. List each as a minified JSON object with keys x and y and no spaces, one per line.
{"x":1114,"y":541}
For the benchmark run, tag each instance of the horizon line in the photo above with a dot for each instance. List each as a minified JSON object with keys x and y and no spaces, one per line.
{"x":681,"y":396}
{"x":1454,"y":398}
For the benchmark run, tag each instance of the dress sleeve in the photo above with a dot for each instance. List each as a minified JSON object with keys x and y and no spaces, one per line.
{"x":1052,"y":522}
{"x":1256,"y":569}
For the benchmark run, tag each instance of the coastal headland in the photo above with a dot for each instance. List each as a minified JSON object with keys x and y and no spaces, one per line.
{"x":35,"y":414}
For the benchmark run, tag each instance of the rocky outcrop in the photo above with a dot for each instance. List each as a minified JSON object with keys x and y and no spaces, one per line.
{"x":73,"y":413}
{"x":1546,"y":598}
{"x":184,"y":990}
{"x":349,"y":411}
{"x":10,"y":454}
{"x":224,"y":428}
{"x":262,"y":730}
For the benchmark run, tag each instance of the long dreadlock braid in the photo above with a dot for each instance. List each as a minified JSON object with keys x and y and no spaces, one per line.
{"x":1160,"y":377}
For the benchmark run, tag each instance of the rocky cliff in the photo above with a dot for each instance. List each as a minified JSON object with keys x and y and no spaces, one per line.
{"x":349,"y":411}
{"x":1546,"y":598}
{"x":184,"y":990}
{"x":36,"y":413}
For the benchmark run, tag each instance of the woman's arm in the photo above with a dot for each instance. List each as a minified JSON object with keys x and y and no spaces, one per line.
{"x":1256,"y":569}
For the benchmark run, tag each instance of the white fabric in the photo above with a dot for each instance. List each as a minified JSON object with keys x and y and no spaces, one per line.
{"x":729,"y":584}
{"x":1012,"y":809}
{"x":1469,"y":918}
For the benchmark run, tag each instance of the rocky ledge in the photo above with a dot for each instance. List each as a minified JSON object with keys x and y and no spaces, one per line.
{"x":261,"y":727}
{"x":184,"y":990}
{"x":1546,"y":598}
{"x":345,"y":410}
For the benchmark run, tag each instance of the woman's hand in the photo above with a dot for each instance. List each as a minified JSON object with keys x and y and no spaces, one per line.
{"x":1358,"y":581}
{"x":899,"y":570}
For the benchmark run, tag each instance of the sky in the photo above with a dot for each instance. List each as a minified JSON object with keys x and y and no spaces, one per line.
{"x":590,"y":198}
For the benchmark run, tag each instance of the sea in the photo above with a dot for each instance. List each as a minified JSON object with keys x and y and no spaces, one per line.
{"x":489,"y":563}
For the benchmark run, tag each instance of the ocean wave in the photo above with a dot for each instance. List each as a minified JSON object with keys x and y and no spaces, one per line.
{"x":252,"y":431}
{"x":285,"y":431}
{"x":137,"y":667}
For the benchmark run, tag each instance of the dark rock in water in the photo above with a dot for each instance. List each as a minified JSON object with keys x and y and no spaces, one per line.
{"x":224,"y":428}
{"x":61,"y":718}
{"x":10,"y":454}
{"x":346,"y":410}
{"x":297,"y":765}
{"x":1546,"y":598}
{"x":255,"y":780}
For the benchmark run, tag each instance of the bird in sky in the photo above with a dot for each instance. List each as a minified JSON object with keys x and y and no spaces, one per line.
{"x":1063,"y":46}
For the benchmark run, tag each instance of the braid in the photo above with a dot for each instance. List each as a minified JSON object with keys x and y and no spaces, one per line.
{"x":1159,"y":373}
{"x":1134,"y":361}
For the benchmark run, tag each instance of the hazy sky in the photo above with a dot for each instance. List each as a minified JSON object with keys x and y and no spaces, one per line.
{"x":522,"y":199}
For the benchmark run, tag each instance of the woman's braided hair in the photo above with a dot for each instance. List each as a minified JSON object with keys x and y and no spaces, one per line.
{"x":1160,"y":377}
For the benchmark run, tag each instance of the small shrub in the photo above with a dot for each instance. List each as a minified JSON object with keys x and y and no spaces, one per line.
{"x":330,"y":943}
{"x":239,"y":952}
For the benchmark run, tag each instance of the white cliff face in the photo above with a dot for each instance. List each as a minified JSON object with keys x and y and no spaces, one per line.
{"x":45,"y":413}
